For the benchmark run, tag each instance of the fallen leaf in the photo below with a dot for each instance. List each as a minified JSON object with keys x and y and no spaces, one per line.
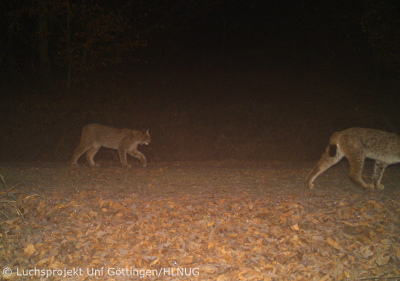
{"x":29,"y":250}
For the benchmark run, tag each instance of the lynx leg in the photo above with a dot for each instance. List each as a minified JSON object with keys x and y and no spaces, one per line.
{"x":356,"y":167}
{"x":78,"y":153}
{"x":90,"y":155}
{"x":323,"y":164}
{"x":122,"y":157}
{"x":137,"y":154}
{"x":379,"y":169}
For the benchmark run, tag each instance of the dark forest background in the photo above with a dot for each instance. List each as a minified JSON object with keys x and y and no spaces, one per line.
{"x":213,"y":80}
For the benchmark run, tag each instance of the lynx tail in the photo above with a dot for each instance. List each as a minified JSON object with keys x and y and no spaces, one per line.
{"x":332,"y":150}
{"x":333,"y":144}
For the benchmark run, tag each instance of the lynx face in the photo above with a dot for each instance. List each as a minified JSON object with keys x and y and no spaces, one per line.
{"x":125,"y":141}
{"x":357,"y":144}
{"x":145,"y":138}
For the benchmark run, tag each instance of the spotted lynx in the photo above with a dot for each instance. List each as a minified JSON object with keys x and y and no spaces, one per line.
{"x":357,"y":144}
{"x":125,"y":141}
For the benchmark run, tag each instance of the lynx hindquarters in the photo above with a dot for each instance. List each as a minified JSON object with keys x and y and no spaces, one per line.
{"x":357,"y":144}
{"x":125,"y":141}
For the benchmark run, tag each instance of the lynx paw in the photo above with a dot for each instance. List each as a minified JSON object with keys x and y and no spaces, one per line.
{"x":369,"y":186}
{"x":309,"y":185}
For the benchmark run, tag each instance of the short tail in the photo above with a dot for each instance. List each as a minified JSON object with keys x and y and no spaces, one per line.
{"x":332,"y":150}
{"x":333,"y":144}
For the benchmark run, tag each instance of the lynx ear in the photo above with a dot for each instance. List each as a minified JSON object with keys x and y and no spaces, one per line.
{"x":147,"y":131}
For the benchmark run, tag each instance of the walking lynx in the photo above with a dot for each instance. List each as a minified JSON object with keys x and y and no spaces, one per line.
{"x":357,"y":144}
{"x":125,"y":141}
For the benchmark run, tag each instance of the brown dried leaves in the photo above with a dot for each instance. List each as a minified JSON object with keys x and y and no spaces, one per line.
{"x":232,"y":237}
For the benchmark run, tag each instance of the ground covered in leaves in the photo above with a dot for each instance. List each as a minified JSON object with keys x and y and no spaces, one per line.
{"x":196,"y":221}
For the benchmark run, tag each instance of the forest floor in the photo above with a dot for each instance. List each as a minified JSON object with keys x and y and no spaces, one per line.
{"x":196,"y":221}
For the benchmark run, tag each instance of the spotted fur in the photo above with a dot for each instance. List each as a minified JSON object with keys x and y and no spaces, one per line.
{"x":357,"y":144}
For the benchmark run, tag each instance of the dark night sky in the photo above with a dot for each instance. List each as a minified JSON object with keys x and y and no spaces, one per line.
{"x":220,"y":32}
{"x":324,"y":37}
{"x":288,"y":29}
{"x":279,"y":41}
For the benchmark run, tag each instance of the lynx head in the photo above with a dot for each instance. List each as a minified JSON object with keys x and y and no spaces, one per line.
{"x":145,"y":137}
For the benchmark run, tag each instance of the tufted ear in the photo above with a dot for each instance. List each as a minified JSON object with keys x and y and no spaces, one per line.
{"x":147,"y":131}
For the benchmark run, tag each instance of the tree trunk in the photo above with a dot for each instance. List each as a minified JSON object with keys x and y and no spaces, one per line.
{"x":43,"y":47}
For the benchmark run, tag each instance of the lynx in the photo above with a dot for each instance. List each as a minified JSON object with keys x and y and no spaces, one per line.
{"x":125,"y":141}
{"x":357,"y":144}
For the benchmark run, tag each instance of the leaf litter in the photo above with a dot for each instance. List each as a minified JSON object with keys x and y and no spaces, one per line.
{"x":228,"y":222}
